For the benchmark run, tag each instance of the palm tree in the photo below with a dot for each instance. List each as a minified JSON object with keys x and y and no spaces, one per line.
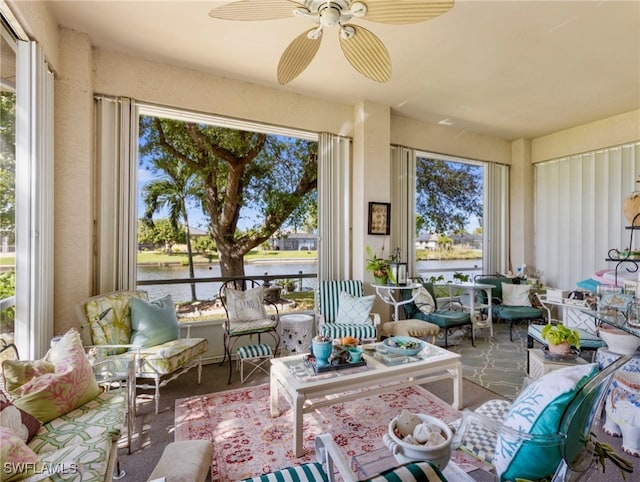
{"x":177,"y":187}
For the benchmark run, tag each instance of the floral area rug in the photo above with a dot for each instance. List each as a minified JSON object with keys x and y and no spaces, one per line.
{"x":248,"y":442}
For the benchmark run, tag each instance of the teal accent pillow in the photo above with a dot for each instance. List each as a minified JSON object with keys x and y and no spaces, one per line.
{"x":354,"y":309}
{"x":153,"y":322}
{"x":538,"y":410}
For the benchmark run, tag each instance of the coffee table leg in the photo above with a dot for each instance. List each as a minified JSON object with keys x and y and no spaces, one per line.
{"x":298,"y":413}
{"x":273,"y":395}
{"x":457,"y":386}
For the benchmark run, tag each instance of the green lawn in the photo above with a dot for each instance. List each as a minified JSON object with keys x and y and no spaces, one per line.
{"x":158,"y":257}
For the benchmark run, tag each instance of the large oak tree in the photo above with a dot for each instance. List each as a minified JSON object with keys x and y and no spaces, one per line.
{"x":243,"y":173}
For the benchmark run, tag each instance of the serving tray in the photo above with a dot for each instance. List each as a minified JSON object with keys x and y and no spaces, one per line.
{"x":311,"y":361}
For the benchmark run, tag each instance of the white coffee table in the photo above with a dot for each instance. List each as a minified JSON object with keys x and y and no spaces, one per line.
{"x":305,"y":391}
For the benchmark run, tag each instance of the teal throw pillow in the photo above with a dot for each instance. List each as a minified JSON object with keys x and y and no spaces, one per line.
{"x":153,"y":322}
{"x":538,"y":410}
{"x":354,"y":309}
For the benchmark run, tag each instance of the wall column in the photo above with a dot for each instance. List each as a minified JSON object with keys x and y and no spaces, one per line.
{"x":521,"y":215}
{"x":74,"y":159}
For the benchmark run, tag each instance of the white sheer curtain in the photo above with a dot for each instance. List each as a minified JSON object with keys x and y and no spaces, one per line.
{"x":334,"y":207}
{"x":116,"y":176}
{"x":403,"y":203}
{"x":495,"y":226}
{"x":34,"y":201}
{"x":578,"y":212}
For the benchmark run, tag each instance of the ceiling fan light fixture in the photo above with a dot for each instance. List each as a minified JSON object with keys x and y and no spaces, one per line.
{"x":358,"y":9}
{"x":330,"y":16}
{"x":347,"y":32}
{"x":315,"y":34}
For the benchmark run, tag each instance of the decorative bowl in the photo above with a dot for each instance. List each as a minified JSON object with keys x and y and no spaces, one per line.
{"x":405,"y":452}
{"x":404,"y":345}
{"x":619,"y":341}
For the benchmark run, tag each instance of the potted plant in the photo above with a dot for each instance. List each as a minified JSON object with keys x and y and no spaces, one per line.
{"x":560,"y":338}
{"x":379,"y":267}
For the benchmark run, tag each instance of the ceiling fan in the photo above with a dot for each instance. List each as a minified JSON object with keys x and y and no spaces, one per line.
{"x":365,"y":51}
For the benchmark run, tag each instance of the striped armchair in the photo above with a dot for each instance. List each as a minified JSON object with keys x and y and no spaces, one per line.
{"x":344,"y":311}
{"x":331,"y":459}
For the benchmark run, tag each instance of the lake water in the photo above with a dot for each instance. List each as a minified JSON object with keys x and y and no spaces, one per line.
{"x":207,"y":291}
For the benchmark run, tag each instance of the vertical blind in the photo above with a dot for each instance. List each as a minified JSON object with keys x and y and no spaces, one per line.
{"x":578,"y":212}
{"x":403,"y":204}
{"x":334,"y":207}
{"x":34,"y":201}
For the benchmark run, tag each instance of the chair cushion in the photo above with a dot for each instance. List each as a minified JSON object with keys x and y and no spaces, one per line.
{"x":515,"y":295}
{"x":516,"y":312}
{"x":329,"y":293}
{"x":109,"y":318}
{"x":538,"y":410}
{"x":410,"y":472}
{"x":354,"y":309}
{"x":340,"y":330}
{"x":245,"y":306}
{"x":153,"y":322}
{"x":71,"y":385}
{"x":170,"y":356}
{"x":311,"y":472}
{"x":449,"y":318}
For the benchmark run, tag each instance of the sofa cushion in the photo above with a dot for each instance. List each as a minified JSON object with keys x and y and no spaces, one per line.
{"x":538,"y":410}
{"x":110,"y":318}
{"x":18,"y":460}
{"x":21,"y":423}
{"x":153,"y":322}
{"x":72,"y":384}
{"x":84,"y":460}
{"x":104,"y":415}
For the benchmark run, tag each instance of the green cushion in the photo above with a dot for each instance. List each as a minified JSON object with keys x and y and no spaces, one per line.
{"x":410,"y":472}
{"x":516,"y":312}
{"x":447,"y":319}
{"x":310,"y":472}
{"x":153,"y":323}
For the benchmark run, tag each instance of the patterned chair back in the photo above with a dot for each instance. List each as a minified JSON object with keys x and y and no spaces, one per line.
{"x":328,"y":296}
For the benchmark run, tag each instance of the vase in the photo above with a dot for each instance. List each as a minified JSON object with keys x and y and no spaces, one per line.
{"x":322,"y":351}
{"x":631,"y":208}
{"x":561,"y":349}
{"x":381,"y":280}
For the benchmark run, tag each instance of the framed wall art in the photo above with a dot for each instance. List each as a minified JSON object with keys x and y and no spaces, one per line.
{"x":379,"y":218}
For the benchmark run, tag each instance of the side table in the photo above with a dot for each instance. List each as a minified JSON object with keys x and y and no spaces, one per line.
{"x":297,"y":332}
{"x":540,"y":365}
{"x":386,"y":294}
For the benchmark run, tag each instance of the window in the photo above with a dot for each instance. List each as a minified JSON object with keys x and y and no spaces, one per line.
{"x":449,"y":214}
{"x":7,"y":183}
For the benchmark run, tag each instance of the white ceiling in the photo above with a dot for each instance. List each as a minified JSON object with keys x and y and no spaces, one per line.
{"x":507,"y":68}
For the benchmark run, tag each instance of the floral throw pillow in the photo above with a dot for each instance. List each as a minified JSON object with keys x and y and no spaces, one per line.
{"x":18,"y":460}
{"x":21,"y":423}
{"x":19,"y":372}
{"x":71,"y":385}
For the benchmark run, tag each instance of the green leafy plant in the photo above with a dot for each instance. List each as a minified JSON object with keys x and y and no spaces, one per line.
{"x":557,"y":334}
{"x":378,"y":266}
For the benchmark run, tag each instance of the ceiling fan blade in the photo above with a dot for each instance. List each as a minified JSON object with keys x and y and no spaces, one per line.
{"x":245,"y":10}
{"x":402,"y":12}
{"x":297,"y":57}
{"x":367,"y":54}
